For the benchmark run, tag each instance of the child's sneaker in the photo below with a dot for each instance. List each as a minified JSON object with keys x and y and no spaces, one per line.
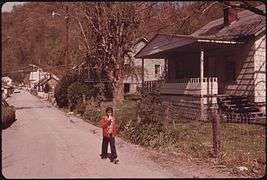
{"x":103,"y":157}
{"x":115,"y":161}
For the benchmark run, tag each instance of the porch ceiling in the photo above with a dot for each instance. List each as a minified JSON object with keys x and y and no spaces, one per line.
{"x":163,"y":46}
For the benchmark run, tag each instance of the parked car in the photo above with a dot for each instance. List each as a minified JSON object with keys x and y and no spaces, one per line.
{"x":8,"y":114}
{"x":16,"y":91}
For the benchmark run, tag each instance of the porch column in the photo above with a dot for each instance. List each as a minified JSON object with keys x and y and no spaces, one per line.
{"x":166,"y":75}
{"x":201,"y":69}
{"x":143,"y":68}
{"x":201,"y":82}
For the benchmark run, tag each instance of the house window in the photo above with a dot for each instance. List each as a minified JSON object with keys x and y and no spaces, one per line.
{"x":126,"y":87}
{"x":230,"y":69}
{"x":157,"y":69}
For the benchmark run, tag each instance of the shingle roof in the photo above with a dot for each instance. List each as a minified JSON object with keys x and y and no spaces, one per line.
{"x":45,"y":80}
{"x":248,"y":24}
{"x":162,"y":42}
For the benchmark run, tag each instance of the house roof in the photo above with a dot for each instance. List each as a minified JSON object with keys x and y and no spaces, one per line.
{"x":162,"y":45}
{"x":45,"y":80}
{"x":142,"y":39}
{"x":249,"y":24}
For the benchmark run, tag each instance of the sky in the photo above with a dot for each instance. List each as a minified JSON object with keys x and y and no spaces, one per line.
{"x":6,"y":7}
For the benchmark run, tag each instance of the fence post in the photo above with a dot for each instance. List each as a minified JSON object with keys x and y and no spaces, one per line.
{"x":138,"y":111}
{"x":84,"y":98}
{"x":166,"y":114}
{"x":215,"y":132}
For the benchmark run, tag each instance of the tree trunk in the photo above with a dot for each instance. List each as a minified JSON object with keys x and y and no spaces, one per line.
{"x":118,"y":94}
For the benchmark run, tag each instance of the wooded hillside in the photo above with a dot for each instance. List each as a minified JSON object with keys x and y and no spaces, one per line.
{"x":31,"y":35}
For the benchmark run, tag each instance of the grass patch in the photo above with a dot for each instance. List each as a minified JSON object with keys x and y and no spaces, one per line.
{"x":241,"y":144}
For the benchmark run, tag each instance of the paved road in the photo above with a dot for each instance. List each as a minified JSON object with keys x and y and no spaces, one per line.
{"x":45,"y":143}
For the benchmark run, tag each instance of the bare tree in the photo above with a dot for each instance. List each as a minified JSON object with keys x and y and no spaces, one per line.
{"x":112,"y":29}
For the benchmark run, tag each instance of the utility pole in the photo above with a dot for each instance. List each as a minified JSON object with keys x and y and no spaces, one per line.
{"x":67,"y":36}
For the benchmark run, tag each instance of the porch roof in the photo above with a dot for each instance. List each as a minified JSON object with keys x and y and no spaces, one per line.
{"x":163,"y":45}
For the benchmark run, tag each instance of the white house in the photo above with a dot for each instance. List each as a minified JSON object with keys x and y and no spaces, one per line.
{"x":153,"y":69}
{"x":36,"y":76}
{"x":225,"y":59}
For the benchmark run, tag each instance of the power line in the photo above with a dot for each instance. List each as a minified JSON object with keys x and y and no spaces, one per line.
{"x":43,"y":67}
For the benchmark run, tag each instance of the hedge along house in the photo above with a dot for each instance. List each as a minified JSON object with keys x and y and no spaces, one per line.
{"x":225,"y":57}
{"x":152,"y":69}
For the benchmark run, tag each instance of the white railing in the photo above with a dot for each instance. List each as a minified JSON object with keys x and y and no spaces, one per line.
{"x":191,"y":86}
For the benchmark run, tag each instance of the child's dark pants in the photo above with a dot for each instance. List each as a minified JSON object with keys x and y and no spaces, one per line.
{"x":105,"y":142}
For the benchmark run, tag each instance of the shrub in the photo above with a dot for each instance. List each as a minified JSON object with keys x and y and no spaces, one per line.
{"x":76,"y":91}
{"x":81,"y":108}
{"x":61,"y":90}
{"x":147,"y":129}
{"x":151,"y":109}
{"x":92,"y":114}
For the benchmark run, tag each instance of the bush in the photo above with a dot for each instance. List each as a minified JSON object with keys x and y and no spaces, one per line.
{"x":151,"y":109}
{"x":76,"y":91}
{"x":92,"y":114}
{"x":146,"y":130}
{"x":81,"y":108}
{"x":61,"y":90}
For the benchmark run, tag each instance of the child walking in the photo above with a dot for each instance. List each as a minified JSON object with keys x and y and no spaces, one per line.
{"x":109,"y":132}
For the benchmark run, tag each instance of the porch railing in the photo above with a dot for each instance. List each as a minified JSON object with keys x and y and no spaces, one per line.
{"x":151,"y":85}
{"x":191,"y":86}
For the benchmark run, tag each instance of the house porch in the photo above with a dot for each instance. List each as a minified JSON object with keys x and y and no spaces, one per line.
{"x":194,"y":71}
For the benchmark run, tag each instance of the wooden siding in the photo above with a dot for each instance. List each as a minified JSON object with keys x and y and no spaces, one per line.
{"x":251,"y":72}
{"x":189,"y":107}
{"x":244,"y":82}
{"x":260,"y":69}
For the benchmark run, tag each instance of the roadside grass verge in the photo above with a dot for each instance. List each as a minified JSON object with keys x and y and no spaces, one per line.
{"x":242,"y":145}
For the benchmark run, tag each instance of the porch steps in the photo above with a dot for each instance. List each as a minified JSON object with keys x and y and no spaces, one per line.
{"x":239,"y":109}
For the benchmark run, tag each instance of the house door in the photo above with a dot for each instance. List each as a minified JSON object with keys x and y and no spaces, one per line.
{"x":214,"y":69}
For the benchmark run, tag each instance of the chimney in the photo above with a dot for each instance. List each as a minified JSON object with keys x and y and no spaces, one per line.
{"x":229,"y":15}
{"x":226,"y":15}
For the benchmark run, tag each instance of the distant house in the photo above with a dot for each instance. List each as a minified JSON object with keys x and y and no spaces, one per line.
{"x":50,"y":81}
{"x":153,"y":69}
{"x":45,"y":87}
{"x":36,"y":76}
{"x":226,"y":57}
{"x":7,"y":87}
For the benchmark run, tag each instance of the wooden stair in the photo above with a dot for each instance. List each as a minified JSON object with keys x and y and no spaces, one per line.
{"x":239,"y":109}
